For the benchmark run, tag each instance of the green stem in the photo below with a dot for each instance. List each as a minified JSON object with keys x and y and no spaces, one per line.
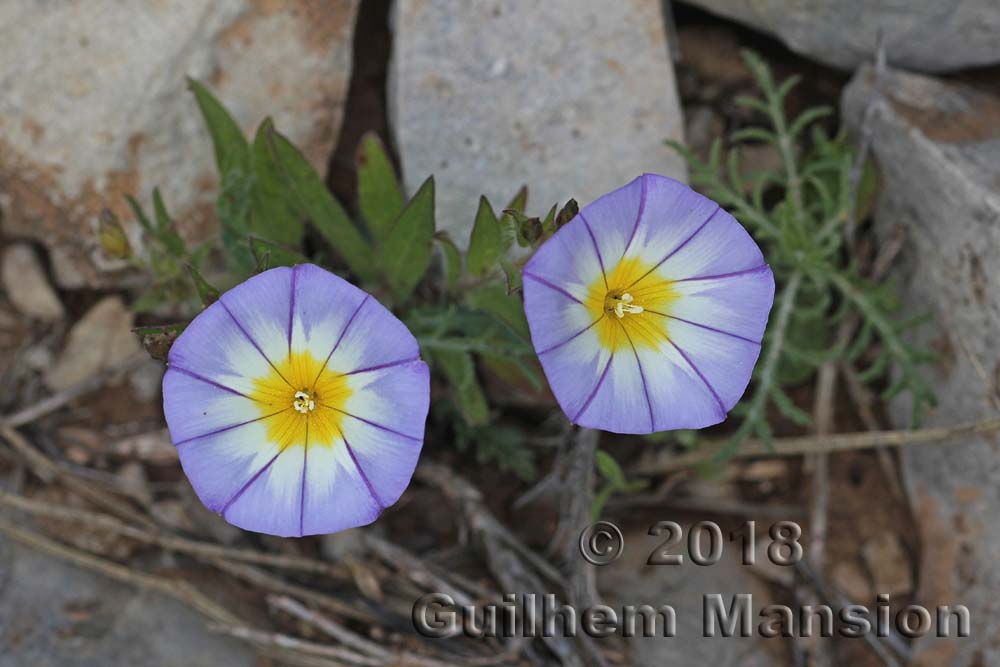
{"x":758,"y":403}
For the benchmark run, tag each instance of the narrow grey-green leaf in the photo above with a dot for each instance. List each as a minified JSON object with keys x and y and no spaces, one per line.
{"x":379,"y":196}
{"x":485,"y":244}
{"x":231,"y":148}
{"x":274,"y":214}
{"x":610,"y":469}
{"x":508,"y":308}
{"x":406,"y":254}
{"x":460,"y":371}
{"x":452,"y":259}
{"x":206,"y":292}
{"x":318,"y":204}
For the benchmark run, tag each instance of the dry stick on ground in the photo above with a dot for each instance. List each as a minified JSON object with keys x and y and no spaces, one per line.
{"x":515,"y":566}
{"x":336,"y":655}
{"x":796,"y":446}
{"x":576,"y":502}
{"x":179,"y":590}
{"x":194,"y":548}
{"x":49,"y":405}
{"x":47,"y":470}
{"x":356,"y":641}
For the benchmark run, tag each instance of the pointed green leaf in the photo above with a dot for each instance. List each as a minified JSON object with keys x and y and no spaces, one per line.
{"x":406,"y":254}
{"x":379,"y":196}
{"x":484,"y":243}
{"x":206,"y":292}
{"x":274,"y":214}
{"x":460,"y":371}
{"x":513,"y":275}
{"x":231,"y":148}
{"x":520,"y":200}
{"x":452,"y":259}
{"x":508,"y":308}
{"x":165,"y":227}
{"x":314,"y":200}
{"x":610,"y":469}
{"x":275,"y":254}
{"x":140,"y":215}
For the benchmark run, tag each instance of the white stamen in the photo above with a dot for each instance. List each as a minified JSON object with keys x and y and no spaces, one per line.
{"x":623,"y":304}
{"x":303,"y":403}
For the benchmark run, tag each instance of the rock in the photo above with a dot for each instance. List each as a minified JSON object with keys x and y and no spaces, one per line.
{"x":888,"y":563}
{"x":572,"y":97}
{"x":26,"y":284}
{"x":102,"y":338}
{"x":702,"y":126}
{"x":852,"y":581}
{"x":55,"y":615}
{"x":101,"y":108}
{"x":938,"y":150}
{"x":922,"y":35}
{"x":631,"y":581}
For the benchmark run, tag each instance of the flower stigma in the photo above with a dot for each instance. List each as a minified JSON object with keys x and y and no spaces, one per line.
{"x":623,"y":304}
{"x":303,"y":402}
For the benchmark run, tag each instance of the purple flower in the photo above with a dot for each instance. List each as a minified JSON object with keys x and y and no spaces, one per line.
{"x":297,"y":404}
{"x":647,"y":310}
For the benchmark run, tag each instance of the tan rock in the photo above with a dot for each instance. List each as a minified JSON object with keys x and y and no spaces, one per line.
{"x":101,"y":338}
{"x":888,"y":563}
{"x":853,"y":582}
{"x":97,"y":106}
{"x":26,"y":284}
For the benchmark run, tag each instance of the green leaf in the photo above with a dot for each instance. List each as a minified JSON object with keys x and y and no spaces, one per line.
{"x":275,"y":254}
{"x":508,"y":308}
{"x":140,"y":215}
{"x":406,"y":254}
{"x":460,"y":371}
{"x":231,"y":148}
{"x":485,"y":244}
{"x":206,"y":292}
{"x":452,"y":259}
{"x":379,"y":196}
{"x":165,"y":227}
{"x":513,"y":275}
{"x":520,"y":200}
{"x":610,"y":469}
{"x":274,"y":213}
{"x":314,"y":200}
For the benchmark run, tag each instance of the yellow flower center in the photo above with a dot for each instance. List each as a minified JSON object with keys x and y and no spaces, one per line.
{"x":301,"y":400}
{"x":632,"y":302}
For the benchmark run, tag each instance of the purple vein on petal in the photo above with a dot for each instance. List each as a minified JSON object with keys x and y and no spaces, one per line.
{"x":302,"y":498}
{"x":291,"y":310}
{"x":372,"y":424}
{"x":364,"y":477}
{"x":204,"y":379}
{"x":246,"y":485}
{"x":679,"y":247}
{"x":380,"y":367}
{"x":704,"y":326}
{"x":228,"y":428}
{"x":597,"y":250}
{"x":593,"y":393}
{"x":552,"y":286}
{"x":343,"y":333}
{"x":638,"y":217}
{"x":708,"y":384}
{"x":573,"y":337}
{"x":642,"y":376}
{"x":246,"y":334}
{"x":720,"y":276}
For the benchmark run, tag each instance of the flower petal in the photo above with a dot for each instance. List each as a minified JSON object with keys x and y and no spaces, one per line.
{"x":721,"y":247}
{"x":567,"y":261}
{"x":612,"y":220}
{"x":737,"y":305}
{"x":574,"y":371}
{"x":271,"y":501}
{"x":336,"y":496}
{"x":215,"y":408}
{"x":395,"y":397}
{"x":679,"y":397}
{"x":621,"y":402}
{"x":374,"y":339}
{"x":724,"y":362}
{"x":323,"y":307}
{"x":261,"y":309}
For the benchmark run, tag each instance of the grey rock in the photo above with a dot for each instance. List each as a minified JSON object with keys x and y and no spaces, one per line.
{"x":572,"y":97}
{"x":95,"y":105}
{"x":938,"y":149}
{"x":55,"y":615}
{"x":631,"y":581}
{"x":99,"y":340}
{"x":924,"y":35}
{"x":26,"y":284}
